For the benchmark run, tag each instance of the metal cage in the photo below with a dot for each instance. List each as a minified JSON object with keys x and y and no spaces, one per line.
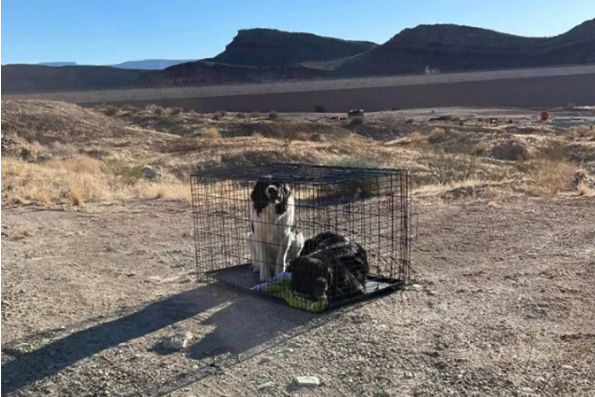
{"x":369,"y":207}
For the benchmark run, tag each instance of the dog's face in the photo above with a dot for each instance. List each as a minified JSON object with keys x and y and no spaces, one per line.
{"x":310,"y":276}
{"x":265,"y":193}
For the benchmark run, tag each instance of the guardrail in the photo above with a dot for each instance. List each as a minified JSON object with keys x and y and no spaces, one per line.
{"x":194,"y":91}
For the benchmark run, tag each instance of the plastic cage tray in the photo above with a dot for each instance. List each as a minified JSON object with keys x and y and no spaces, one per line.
{"x":242,"y":277}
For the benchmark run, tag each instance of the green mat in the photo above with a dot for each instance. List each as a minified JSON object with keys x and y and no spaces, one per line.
{"x":282,"y":289}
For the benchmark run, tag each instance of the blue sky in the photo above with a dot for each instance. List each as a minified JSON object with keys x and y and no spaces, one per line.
{"x":112,"y":31}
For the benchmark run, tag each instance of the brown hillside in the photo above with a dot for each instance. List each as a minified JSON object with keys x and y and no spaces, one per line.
{"x":271,"y":47}
{"x":458,"y":48}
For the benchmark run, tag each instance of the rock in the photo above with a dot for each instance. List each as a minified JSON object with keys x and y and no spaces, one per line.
{"x":416,"y":287}
{"x":569,"y":367}
{"x":265,"y":385}
{"x":151,"y":173}
{"x":408,"y":375}
{"x":307,"y":381}
{"x":177,"y":341}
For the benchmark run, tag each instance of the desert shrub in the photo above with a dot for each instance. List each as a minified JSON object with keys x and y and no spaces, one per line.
{"x":356,"y":121}
{"x":241,"y":115}
{"x":273,"y":116}
{"x":318,"y":138}
{"x":301,"y":136}
{"x":211,"y":133}
{"x":158,"y":111}
{"x":285,"y":132}
{"x":445,"y":168}
{"x":554,"y":151}
{"x":218,"y":116}
{"x":581,"y":131}
{"x":511,"y":151}
{"x":130,"y":108}
{"x":125,"y":173}
{"x":176,"y":111}
{"x":417,"y":139}
{"x":110,"y":110}
{"x":63,"y":150}
{"x":77,"y":164}
{"x":358,"y":161}
{"x":548,"y":177}
{"x":438,"y":135}
{"x":363,"y":188}
{"x":479,"y":149}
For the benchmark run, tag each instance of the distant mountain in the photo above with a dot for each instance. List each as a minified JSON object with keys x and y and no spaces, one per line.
{"x":265,"y":55}
{"x":55,"y":64}
{"x":151,"y":64}
{"x":213,"y":73}
{"x":457,"y":48}
{"x":270,"y":47}
{"x":38,"y":78}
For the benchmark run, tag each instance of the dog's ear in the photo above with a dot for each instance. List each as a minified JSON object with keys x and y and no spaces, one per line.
{"x":256,"y":192}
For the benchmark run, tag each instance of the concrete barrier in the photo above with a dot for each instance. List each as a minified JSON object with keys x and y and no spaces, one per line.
{"x":544,"y":87}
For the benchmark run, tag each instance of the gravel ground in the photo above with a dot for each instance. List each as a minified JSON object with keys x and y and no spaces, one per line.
{"x":502,"y":305}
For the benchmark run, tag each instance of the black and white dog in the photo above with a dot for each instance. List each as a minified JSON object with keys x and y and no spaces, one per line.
{"x":330,"y":267}
{"x":273,"y":240}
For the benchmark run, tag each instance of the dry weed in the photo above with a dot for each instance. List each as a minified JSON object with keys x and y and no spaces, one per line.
{"x":77,"y":164}
{"x":445,"y":168}
{"x":79,"y":180}
{"x":584,"y":190}
{"x":63,"y":150}
{"x":175,"y":111}
{"x":76,"y":197}
{"x":212,"y":133}
{"x":438,"y":135}
{"x":417,"y":139}
{"x":165,"y":190}
{"x":549,"y":177}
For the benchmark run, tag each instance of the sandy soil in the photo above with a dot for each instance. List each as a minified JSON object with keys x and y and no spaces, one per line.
{"x":503,"y":305}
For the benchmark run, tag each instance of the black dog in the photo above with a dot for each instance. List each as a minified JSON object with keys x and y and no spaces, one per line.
{"x":330,"y":267}
{"x":321,"y":241}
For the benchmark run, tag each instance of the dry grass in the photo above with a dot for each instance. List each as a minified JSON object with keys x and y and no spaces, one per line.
{"x":212,"y":133}
{"x":580,"y":132}
{"x":76,"y":181}
{"x":445,"y":168}
{"x":417,"y":139}
{"x":438,"y":135}
{"x":584,"y":190}
{"x":550,"y":177}
{"x":55,"y":171}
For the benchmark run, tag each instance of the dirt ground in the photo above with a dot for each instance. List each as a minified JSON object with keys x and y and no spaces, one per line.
{"x":502,"y":305}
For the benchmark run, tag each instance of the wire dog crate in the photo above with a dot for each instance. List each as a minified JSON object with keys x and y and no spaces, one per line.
{"x":350,"y":237}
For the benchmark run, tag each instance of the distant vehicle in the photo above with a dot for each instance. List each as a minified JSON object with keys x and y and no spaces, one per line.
{"x":355,"y":113}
